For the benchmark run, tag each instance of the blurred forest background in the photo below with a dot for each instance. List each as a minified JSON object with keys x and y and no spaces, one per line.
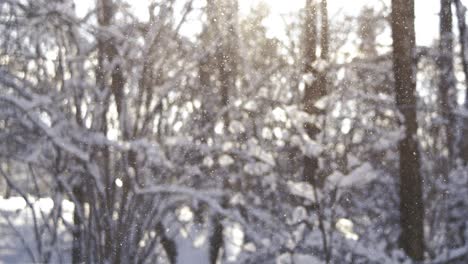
{"x":190,"y":134}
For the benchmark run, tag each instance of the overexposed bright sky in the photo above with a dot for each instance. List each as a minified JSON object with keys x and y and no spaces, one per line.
{"x":426,"y":13}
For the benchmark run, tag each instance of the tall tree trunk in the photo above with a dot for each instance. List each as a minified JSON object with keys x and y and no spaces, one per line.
{"x":411,"y":200}
{"x":206,"y":65}
{"x":309,"y":38}
{"x":461,"y":16}
{"x":446,"y":73}
{"x":324,"y":35}
{"x":104,"y":16}
{"x":227,"y":60}
{"x":314,"y":91}
{"x":227,"y":56}
{"x":77,"y":245}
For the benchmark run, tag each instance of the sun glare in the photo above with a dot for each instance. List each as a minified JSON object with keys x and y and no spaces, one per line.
{"x":426,"y":14}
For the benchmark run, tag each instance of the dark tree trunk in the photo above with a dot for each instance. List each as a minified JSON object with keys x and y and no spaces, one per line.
{"x":7,"y":186}
{"x":216,"y":240}
{"x":461,"y":16}
{"x":446,"y":73}
{"x":104,"y":16}
{"x":314,"y":91}
{"x":226,"y":56}
{"x":309,"y":37}
{"x":77,"y":245}
{"x":205,"y":72}
{"x":168,"y":244}
{"x":324,"y":35}
{"x":411,"y":200}
{"x":227,"y":63}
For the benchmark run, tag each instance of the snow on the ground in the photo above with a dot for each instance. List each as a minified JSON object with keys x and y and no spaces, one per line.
{"x":17,"y":232}
{"x":16,"y":226}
